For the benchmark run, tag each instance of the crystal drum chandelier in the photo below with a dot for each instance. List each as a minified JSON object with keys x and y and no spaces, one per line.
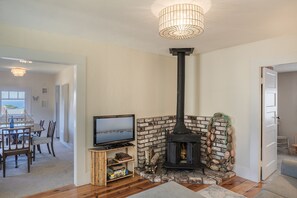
{"x":18,"y":71}
{"x":181,"y":21}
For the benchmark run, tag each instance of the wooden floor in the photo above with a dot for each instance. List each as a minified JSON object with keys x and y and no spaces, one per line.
{"x":130,"y":186}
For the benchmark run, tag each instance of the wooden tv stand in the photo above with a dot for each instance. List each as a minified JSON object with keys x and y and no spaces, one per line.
{"x":99,"y":163}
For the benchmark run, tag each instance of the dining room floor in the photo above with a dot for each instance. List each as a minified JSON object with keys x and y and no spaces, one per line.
{"x":47,"y":172}
{"x":281,"y":155}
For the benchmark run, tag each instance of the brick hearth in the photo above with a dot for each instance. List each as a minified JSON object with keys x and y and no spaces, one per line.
{"x":151,"y":132}
{"x":187,"y":176}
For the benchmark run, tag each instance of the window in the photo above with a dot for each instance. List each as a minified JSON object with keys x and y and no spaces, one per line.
{"x":13,"y":101}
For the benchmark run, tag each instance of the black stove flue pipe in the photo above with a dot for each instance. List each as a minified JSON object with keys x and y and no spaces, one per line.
{"x":180,"y":127}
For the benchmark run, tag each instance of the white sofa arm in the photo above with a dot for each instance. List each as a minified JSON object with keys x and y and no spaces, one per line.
{"x":289,"y":168}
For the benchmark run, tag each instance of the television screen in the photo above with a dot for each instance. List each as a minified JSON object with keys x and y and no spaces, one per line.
{"x":113,"y":129}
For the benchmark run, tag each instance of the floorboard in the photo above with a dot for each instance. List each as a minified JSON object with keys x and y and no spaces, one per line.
{"x":130,"y":186}
{"x":243,"y":187}
{"x":253,"y":191}
{"x":233,"y":182}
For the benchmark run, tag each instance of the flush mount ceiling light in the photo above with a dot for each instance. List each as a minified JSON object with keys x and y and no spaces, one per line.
{"x":181,"y":19}
{"x":18,"y":71}
{"x":25,"y":61}
{"x":17,"y":59}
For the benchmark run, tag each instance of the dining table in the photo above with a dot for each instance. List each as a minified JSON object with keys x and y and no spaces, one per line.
{"x":35,"y":129}
{"x":5,"y":132}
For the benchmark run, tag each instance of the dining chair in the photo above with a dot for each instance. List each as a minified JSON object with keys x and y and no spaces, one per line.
{"x":0,"y":148}
{"x":49,"y":139}
{"x":15,"y":143}
{"x":41,"y":124}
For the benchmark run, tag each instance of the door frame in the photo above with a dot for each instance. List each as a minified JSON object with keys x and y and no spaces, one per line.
{"x":81,"y":174}
{"x":64,"y":114}
{"x":57,"y":110}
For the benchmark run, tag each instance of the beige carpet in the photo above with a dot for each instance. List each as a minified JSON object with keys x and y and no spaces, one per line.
{"x":281,"y":154}
{"x":47,"y":172}
{"x":215,"y":191}
{"x":174,"y":190}
{"x":167,"y":190}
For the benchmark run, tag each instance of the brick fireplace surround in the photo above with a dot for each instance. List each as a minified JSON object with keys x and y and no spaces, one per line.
{"x":151,"y":133}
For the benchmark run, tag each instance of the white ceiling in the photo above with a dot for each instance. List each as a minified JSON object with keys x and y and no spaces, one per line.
{"x":292,"y":67}
{"x":131,"y":22}
{"x":36,"y":67}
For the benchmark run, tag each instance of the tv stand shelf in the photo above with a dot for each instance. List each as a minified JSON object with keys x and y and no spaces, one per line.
{"x":99,"y":164}
{"x":131,"y":174}
{"x":121,"y":162}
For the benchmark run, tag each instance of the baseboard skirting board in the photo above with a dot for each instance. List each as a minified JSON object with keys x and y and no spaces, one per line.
{"x":68,"y":145}
{"x":247,"y":173}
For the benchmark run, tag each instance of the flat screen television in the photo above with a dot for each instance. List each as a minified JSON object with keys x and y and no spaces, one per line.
{"x":113,"y":129}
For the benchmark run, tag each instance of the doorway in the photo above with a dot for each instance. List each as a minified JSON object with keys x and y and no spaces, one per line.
{"x":81,"y":174}
{"x":37,"y":88}
{"x":284,"y":120}
{"x":287,"y":111}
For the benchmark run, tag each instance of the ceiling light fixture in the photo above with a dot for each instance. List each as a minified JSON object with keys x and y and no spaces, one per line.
{"x":18,"y":71}
{"x":17,"y":59}
{"x":181,"y":21}
{"x":25,"y":61}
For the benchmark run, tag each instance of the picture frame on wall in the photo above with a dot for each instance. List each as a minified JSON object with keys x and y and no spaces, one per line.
{"x":44,"y":90}
{"x":44,"y":103}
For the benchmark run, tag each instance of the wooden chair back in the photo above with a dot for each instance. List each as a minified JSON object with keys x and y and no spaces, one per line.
{"x":15,"y":141}
{"x":41,"y":123}
{"x":51,"y":129}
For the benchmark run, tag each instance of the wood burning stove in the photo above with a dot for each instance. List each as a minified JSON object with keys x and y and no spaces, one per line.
{"x":183,"y":146}
{"x":183,"y":151}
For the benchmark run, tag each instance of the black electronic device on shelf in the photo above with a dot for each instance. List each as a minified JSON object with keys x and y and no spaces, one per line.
{"x":114,"y":146}
{"x":113,"y":131}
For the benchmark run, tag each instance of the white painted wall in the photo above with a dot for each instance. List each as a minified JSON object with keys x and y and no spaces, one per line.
{"x":122,"y":80}
{"x":66,"y":76}
{"x":287,"y":105}
{"x":33,"y":83}
{"x":191,"y":85}
{"x":119,"y":80}
{"x":229,"y":82}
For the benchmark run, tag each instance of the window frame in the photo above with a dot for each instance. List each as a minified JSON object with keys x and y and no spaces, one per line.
{"x":27,"y":97}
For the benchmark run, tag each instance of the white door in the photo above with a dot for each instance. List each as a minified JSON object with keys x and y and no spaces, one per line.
{"x":269,"y":122}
